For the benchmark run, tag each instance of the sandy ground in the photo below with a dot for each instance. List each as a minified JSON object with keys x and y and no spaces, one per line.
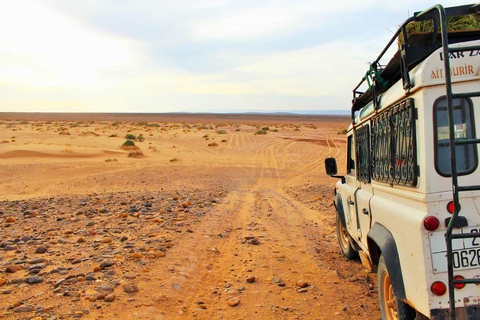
{"x":205,"y":220}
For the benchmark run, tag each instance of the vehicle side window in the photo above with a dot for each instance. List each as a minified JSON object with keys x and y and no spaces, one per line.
{"x":362,"y":147}
{"x":464,"y":124}
{"x":350,"y":156}
{"x":394,"y":150}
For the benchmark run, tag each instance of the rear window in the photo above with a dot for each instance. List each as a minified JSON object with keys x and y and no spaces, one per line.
{"x":467,"y":159}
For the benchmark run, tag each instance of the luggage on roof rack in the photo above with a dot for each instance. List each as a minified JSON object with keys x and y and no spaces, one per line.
{"x":415,"y":48}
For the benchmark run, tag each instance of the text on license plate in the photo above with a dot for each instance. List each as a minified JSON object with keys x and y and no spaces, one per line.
{"x":466,"y":252}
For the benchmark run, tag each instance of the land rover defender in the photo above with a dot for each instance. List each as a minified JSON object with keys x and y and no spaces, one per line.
{"x":409,"y":203}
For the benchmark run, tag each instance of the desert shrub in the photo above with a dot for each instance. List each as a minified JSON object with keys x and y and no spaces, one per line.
{"x":174,"y":160}
{"x":221,"y":131}
{"x":224,"y":140}
{"x":110,"y":160}
{"x":213,"y":144}
{"x":140,"y":137}
{"x":116,"y":123}
{"x":129,"y":143}
{"x":130,"y":136}
{"x":142,"y":123}
{"x":153,"y":124}
{"x":237,"y":129}
{"x":135,"y":154}
{"x":275,"y":130}
{"x":296,"y":129}
{"x":261,"y":132}
{"x":204,"y":127}
{"x":265,"y":128}
{"x":343,"y":131}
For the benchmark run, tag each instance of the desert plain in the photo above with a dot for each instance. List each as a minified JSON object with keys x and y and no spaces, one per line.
{"x":205,"y":217}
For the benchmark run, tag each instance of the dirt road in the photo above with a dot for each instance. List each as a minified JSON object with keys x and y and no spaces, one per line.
{"x":266,"y":249}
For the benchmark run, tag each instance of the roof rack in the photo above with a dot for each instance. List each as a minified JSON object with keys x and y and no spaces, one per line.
{"x":415,"y":48}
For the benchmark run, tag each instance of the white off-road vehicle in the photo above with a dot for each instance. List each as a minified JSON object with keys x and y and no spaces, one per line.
{"x":409,"y":204}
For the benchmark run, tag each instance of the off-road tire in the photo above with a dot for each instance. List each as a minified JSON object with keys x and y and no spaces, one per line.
{"x":345,"y":240}
{"x":391,"y":307}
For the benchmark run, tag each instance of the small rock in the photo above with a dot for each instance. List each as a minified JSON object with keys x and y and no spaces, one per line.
{"x":12,"y":269}
{"x":2,"y":281}
{"x":302,"y":290}
{"x":106,"y":240}
{"x":90,"y":277}
{"x":105,"y":287}
{"x":10,"y":219}
{"x":81,"y":240}
{"x":41,"y":249}
{"x":251,"y":278}
{"x":34,"y":280}
{"x":36,"y":260}
{"x":110,"y":297}
{"x":302,"y":283}
{"x":232,"y":302}
{"x":254,"y":241}
{"x":130,"y":288}
{"x":24,"y":309}
{"x":107,"y":263}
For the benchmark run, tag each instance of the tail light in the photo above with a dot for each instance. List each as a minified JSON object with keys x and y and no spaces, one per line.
{"x":459,"y":285}
{"x":439,"y":288}
{"x":431,"y":223}
{"x":451,"y":207}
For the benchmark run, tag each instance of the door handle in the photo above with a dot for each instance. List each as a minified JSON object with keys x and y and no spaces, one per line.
{"x":349,"y":201}
{"x":365,"y":211}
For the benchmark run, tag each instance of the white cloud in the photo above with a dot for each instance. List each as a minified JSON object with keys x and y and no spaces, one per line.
{"x":44,"y":49}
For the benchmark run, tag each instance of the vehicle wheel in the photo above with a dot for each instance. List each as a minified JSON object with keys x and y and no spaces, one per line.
{"x":344,"y":240}
{"x":391,"y":307}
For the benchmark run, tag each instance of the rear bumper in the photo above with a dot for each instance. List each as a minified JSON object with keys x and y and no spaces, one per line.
{"x":464,"y":313}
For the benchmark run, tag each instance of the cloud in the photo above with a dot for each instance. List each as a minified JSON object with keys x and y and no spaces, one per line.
{"x":45,"y":49}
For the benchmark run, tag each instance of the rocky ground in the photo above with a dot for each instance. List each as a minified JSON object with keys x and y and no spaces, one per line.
{"x":62,"y":251}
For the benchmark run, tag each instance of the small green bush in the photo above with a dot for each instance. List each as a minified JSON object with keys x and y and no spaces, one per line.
{"x":140,"y":137}
{"x":221,"y":131}
{"x":265,"y":128}
{"x":261,"y":132}
{"x":343,"y":131}
{"x":129,"y":143}
{"x":130,"y":136}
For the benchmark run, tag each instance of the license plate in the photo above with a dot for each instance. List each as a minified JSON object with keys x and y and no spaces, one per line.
{"x":466,"y":252}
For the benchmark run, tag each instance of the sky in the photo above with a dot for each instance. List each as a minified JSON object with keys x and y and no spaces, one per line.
{"x":191,"y":55}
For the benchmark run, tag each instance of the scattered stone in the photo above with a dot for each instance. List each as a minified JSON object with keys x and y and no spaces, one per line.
{"x":106,"y":264}
{"x":110,"y":297}
{"x":36,"y":260}
{"x":302,"y":283}
{"x":105,"y":287}
{"x":34,"y":280}
{"x":130,"y":288}
{"x":106,"y":240}
{"x":12,"y":269}
{"x":24,"y":309}
{"x":232,"y":302}
{"x":2,"y":281}
{"x":251,"y":278}
{"x":10,"y":220}
{"x":254,"y":241}
{"x":81,"y":240}
{"x":41,"y":249}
